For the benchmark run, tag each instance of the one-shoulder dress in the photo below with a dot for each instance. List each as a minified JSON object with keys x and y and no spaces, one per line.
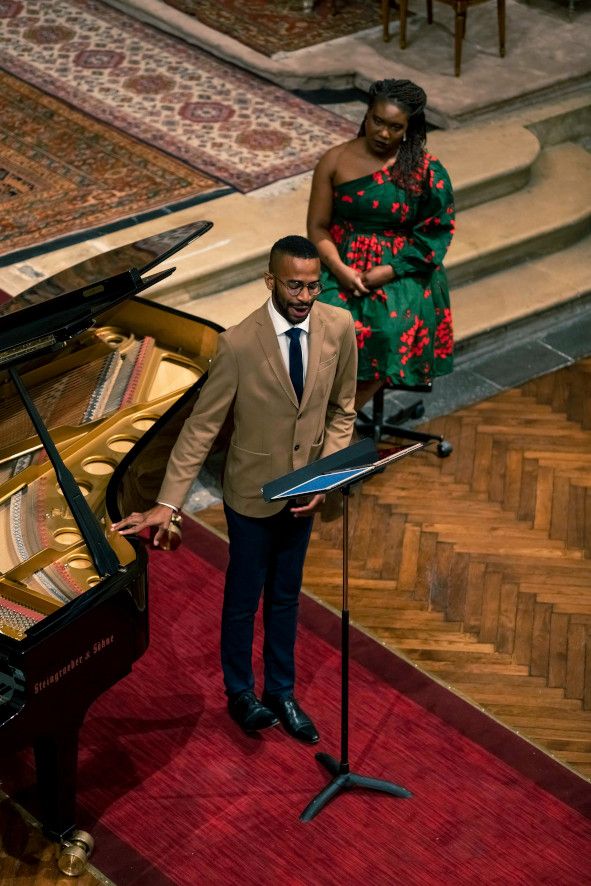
{"x":404,"y":329}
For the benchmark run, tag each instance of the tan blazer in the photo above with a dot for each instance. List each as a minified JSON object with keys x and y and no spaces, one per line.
{"x":272,"y":435}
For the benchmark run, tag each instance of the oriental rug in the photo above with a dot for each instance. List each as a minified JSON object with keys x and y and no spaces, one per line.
{"x":175,"y":793}
{"x":62,"y":172}
{"x":271,"y":27}
{"x":228,"y":124}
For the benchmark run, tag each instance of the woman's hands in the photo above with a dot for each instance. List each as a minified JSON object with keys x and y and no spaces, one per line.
{"x":378,"y":276}
{"x":351,"y":280}
{"x":159,"y":515}
{"x":361,"y":282}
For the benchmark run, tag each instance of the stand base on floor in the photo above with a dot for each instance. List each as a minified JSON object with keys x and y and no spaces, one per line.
{"x":343,"y":780}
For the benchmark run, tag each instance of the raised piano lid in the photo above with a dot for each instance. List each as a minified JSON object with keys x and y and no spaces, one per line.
{"x":98,"y":396}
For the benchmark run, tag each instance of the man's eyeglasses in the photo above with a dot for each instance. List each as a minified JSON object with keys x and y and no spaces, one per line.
{"x":295,"y":287}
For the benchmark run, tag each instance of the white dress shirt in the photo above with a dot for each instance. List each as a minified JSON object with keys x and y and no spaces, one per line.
{"x":281,"y":326}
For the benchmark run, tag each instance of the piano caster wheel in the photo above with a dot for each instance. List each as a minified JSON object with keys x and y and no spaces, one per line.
{"x":75,"y":853}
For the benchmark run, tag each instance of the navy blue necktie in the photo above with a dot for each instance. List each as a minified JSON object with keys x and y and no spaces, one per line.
{"x":296,"y":365}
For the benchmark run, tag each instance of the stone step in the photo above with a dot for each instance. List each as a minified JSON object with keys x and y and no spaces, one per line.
{"x":501,"y":231}
{"x":486,"y":162}
{"x":494,"y":301}
{"x":522,"y":290}
{"x":550,"y":213}
{"x":246,"y":226}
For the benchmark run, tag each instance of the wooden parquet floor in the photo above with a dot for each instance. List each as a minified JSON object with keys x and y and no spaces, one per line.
{"x":478,"y":567}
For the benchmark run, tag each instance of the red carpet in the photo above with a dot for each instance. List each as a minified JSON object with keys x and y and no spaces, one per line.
{"x":175,"y":793}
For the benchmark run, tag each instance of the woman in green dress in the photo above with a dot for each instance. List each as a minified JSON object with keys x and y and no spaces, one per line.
{"x":381,"y":215}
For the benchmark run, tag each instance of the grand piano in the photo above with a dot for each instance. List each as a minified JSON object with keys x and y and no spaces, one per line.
{"x":95,"y":382}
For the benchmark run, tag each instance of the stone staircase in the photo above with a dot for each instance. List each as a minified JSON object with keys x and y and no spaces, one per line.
{"x":522,"y":248}
{"x":523,"y":241}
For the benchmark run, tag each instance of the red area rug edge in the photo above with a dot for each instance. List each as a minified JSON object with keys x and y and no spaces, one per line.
{"x":404,"y":676}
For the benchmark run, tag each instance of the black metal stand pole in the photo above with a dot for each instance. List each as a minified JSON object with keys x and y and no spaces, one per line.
{"x":343,"y":778}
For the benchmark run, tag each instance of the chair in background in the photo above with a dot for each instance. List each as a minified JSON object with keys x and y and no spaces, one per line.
{"x":378,"y":426}
{"x":460,"y":8}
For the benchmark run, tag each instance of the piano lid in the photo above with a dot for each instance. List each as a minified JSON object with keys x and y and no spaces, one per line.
{"x":43,"y":318}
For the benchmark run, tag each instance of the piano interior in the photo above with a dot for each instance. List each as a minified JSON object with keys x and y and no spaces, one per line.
{"x":98,"y":397}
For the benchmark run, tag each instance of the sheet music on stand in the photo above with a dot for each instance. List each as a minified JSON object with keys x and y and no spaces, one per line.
{"x":336,"y":479}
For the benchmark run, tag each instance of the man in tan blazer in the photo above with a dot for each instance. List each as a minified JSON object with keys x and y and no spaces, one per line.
{"x":276,"y":429}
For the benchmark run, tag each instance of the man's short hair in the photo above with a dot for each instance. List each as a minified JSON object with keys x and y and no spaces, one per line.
{"x":294,"y":246}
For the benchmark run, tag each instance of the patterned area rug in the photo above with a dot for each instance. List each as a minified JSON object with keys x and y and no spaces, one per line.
{"x":62,"y":172}
{"x":224,"y":122}
{"x":282,"y":26}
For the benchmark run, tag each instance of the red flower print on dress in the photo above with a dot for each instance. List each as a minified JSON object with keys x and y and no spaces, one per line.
{"x":378,"y":177}
{"x":337,"y":233}
{"x":343,"y":297}
{"x":427,"y":293}
{"x":413,"y":341}
{"x":346,"y":198}
{"x":398,"y":244}
{"x":362,"y":332}
{"x":375,"y":204}
{"x":444,"y":340}
{"x":364,"y":252}
{"x":440,"y":184}
{"x":360,"y":193}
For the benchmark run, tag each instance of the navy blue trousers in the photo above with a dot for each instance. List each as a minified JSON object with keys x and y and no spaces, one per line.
{"x":266,"y":556}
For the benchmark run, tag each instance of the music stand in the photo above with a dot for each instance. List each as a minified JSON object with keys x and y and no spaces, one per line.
{"x":340,"y":471}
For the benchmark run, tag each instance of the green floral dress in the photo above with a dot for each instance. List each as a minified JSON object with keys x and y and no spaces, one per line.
{"x":404,"y":330}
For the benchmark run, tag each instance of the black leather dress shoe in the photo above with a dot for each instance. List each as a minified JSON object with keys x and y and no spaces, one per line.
{"x":293,"y":719}
{"x":249,"y":713}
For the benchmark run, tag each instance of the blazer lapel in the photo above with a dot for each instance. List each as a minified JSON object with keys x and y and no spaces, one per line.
{"x":268,"y":340}
{"x":315,"y":345}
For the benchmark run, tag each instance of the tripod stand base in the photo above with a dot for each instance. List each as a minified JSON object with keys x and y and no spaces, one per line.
{"x":342,"y":780}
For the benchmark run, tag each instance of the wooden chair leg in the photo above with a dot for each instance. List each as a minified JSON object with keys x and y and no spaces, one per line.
{"x":403,"y":9}
{"x":502,"y":19}
{"x":386,"y":20}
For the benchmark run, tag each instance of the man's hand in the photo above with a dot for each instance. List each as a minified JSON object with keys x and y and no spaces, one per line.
{"x":310,"y":508}
{"x":159,"y":515}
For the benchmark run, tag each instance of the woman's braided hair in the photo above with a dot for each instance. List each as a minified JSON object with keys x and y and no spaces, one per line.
{"x":411,"y":99}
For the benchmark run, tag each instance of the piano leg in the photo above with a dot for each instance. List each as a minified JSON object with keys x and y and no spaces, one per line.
{"x":56,"y":759}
